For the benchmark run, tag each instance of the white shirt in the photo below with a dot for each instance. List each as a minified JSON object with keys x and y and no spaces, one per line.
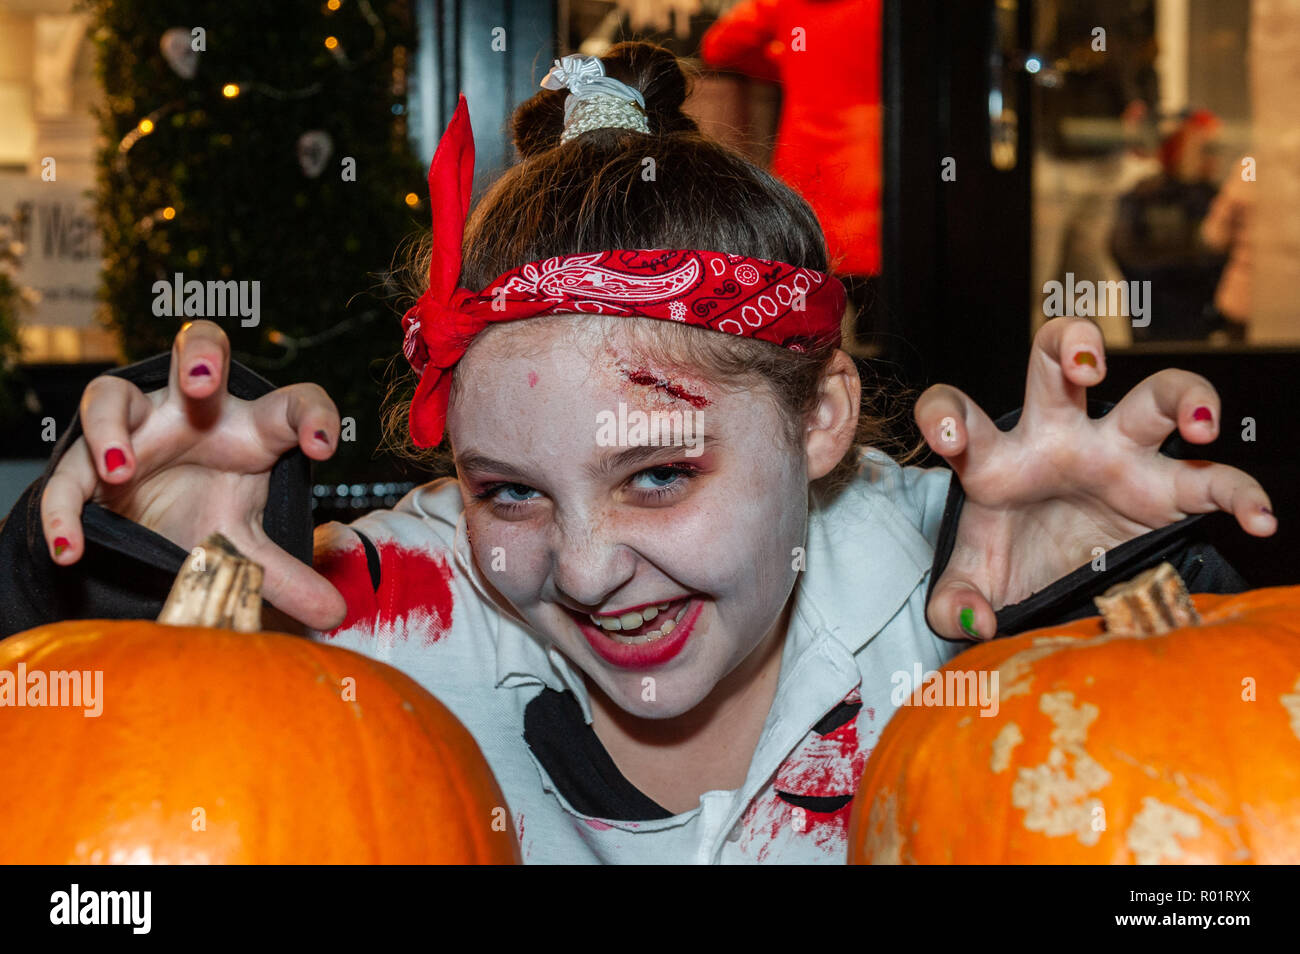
{"x":858,"y":619}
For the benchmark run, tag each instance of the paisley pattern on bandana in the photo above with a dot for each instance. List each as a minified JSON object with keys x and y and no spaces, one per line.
{"x":775,"y":302}
{"x":789,"y":306}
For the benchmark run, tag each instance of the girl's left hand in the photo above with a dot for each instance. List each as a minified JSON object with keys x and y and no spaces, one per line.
{"x":1042,"y":496}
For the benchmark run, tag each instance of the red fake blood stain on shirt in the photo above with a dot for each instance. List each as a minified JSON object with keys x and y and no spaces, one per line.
{"x":823,"y":766}
{"x":527,"y":850}
{"x":414,"y":590}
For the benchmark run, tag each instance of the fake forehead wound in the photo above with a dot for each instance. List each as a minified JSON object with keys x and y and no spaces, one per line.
{"x":652,"y":380}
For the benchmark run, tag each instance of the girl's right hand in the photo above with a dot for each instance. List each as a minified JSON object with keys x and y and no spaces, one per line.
{"x":190,"y":459}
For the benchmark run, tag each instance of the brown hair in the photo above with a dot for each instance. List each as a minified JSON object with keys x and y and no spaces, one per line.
{"x":591,"y":194}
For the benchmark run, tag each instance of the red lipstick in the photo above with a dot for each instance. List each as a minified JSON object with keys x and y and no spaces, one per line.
{"x":643,"y":655}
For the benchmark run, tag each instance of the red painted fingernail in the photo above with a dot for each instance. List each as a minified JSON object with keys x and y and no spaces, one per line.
{"x":60,"y":544}
{"x":114,"y":458}
{"x":1202,"y":413}
{"x":200,"y":370}
{"x":320,"y":436}
{"x":1085,"y":357}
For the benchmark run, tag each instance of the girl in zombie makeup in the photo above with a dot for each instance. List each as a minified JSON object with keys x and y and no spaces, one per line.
{"x":665,"y":656}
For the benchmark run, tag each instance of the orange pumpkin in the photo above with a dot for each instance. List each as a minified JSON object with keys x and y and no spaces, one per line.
{"x":1107,"y":747}
{"x":233,"y":747}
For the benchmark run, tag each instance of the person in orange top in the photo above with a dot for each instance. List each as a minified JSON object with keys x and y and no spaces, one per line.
{"x":826,"y":56}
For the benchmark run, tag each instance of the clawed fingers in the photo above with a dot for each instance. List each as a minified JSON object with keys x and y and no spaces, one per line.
{"x":112,"y":408}
{"x":1166,"y":400}
{"x":200,"y":367}
{"x":296,"y":589}
{"x":66,"y":492}
{"x":299,"y":414}
{"x":952,"y":422}
{"x":957,"y":610}
{"x":1201,"y":487}
{"x":1068,"y":357}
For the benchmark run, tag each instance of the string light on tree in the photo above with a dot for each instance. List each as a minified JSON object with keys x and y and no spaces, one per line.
{"x":214,"y":190}
{"x":181,"y":62}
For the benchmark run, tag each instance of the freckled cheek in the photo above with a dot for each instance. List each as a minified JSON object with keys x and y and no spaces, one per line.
{"x":513,"y":556}
{"x":746,"y":537}
{"x":722,"y":544}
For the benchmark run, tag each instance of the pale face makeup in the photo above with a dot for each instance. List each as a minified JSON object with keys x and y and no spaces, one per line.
{"x":706,"y":533}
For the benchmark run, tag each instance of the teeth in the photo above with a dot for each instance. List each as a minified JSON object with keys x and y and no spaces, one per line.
{"x":614,"y":624}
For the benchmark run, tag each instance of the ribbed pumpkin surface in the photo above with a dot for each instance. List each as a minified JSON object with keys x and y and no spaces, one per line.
{"x":1176,"y":748}
{"x":225,"y":747}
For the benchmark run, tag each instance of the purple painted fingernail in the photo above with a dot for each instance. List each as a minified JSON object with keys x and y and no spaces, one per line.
{"x":200,"y":370}
{"x":1266,"y":510}
{"x":321,"y":436}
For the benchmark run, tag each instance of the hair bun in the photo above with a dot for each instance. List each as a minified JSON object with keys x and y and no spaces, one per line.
{"x":652,"y":69}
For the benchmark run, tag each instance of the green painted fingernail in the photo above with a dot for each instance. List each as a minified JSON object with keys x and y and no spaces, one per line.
{"x":967,"y":617}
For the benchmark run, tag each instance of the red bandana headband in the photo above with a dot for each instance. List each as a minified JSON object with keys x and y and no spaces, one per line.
{"x":796,"y":308}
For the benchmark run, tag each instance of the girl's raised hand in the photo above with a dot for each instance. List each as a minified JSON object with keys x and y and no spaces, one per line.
{"x":1042,"y":496}
{"x":190,"y":459}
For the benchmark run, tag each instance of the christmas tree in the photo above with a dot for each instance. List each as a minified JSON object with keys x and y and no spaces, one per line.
{"x":262,"y":143}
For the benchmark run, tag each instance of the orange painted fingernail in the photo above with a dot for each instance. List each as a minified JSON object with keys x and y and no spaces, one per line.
{"x":60,"y":544}
{"x":1202,"y":413}
{"x":1085,"y":357}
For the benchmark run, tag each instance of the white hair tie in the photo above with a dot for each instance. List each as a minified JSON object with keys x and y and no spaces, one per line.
{"x":595,"y":101}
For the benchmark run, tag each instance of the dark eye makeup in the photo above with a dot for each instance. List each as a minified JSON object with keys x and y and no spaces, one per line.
{"x":654,"y":485}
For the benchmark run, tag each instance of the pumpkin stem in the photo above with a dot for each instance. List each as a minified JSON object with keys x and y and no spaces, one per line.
{"x":1153,"y":602}
{"x":219,"y":587}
